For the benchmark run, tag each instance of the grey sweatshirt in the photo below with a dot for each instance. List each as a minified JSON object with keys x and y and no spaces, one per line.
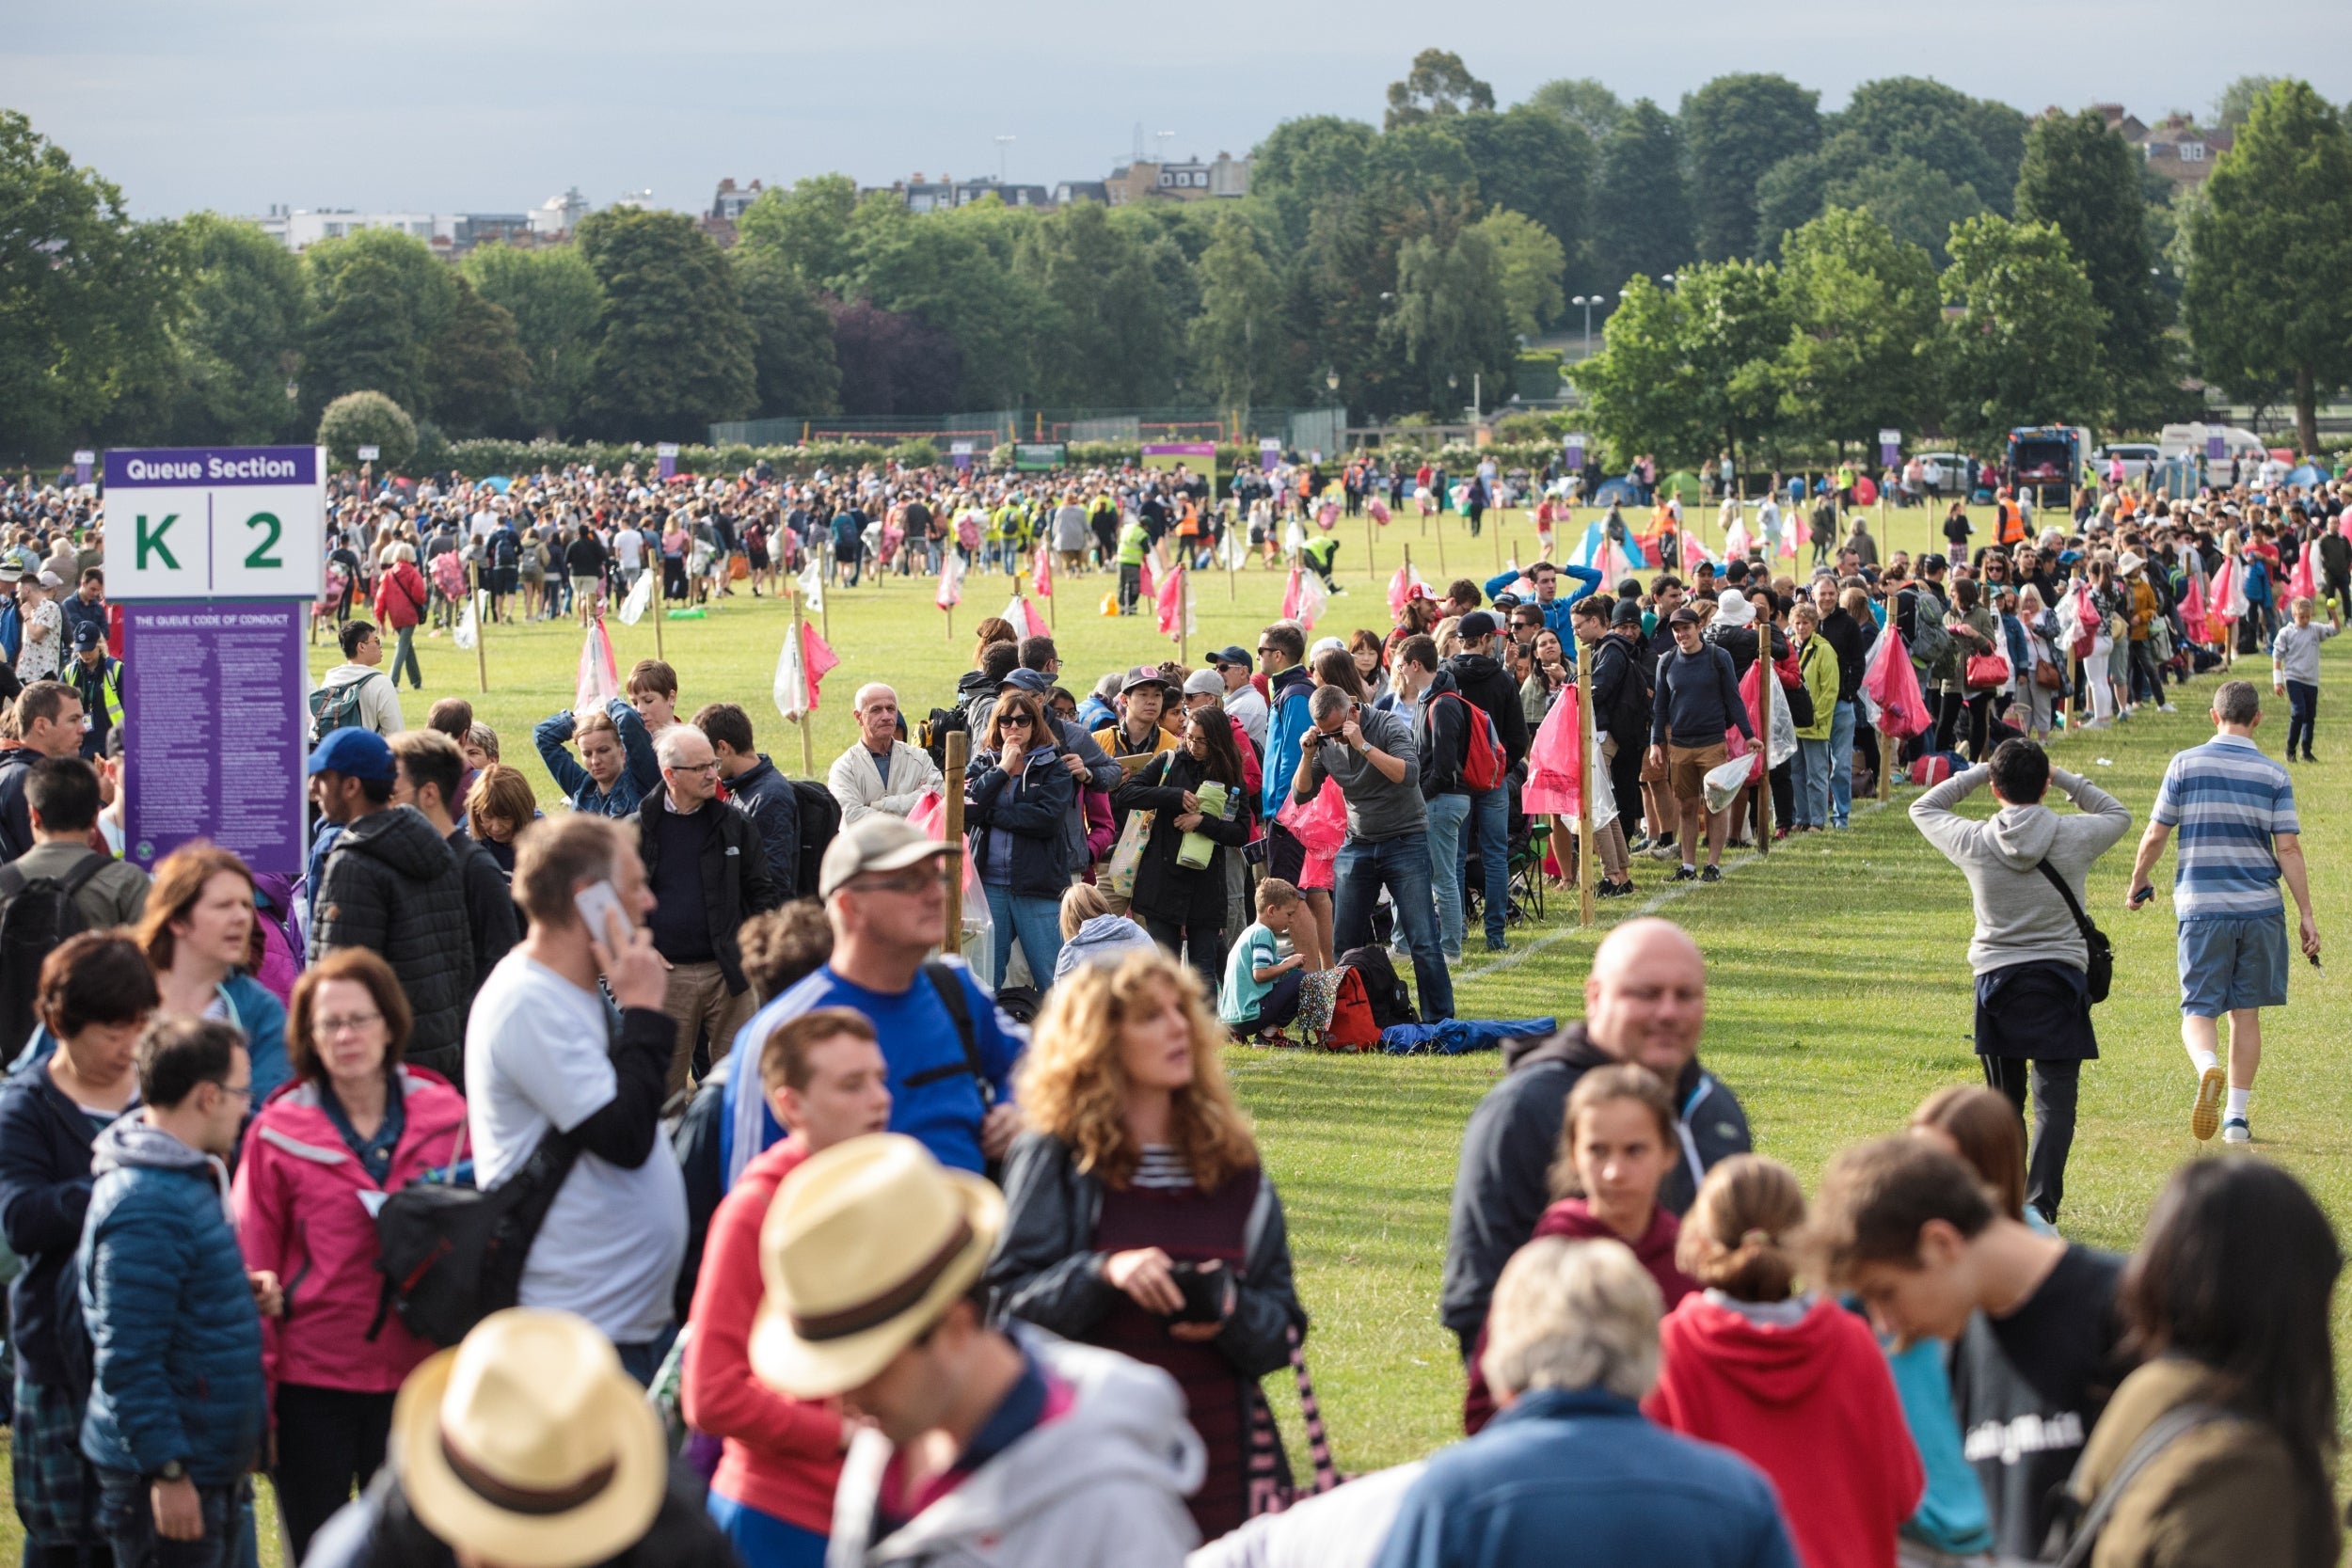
{"x":2020,"y":916}
{"x":1377,"y":810}
{"x":2295,"y":651}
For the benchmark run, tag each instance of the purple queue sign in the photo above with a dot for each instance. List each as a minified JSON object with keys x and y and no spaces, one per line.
{"x":213,"y":697}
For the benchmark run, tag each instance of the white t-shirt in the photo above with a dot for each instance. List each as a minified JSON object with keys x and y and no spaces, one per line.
{"x":630,"y":546}
{"x":536,"y":1057}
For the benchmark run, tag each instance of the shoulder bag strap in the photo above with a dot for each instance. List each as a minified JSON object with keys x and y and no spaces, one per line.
{"x":2173,"y":1424}
{"x":2082,"y":921}
{"x":945,"y":980}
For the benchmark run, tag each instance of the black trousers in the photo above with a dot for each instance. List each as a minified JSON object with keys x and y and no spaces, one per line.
{"x":2054,"y":1086}
{"x":1203,"y":944}
{"x":330,"y":1443}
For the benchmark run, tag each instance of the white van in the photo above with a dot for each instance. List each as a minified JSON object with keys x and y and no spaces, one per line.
{"x":2188,"y":440}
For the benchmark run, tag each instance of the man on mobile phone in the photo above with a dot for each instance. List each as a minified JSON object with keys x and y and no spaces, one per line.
{"x":539,"y":1062}
{"x":2239,"y":835}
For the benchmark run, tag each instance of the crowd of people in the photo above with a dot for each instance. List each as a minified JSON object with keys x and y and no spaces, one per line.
{"x":646,"y":1177}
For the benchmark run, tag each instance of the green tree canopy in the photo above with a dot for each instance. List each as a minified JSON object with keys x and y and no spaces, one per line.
{"x":1236,"y":339}
{"x":241,"y":340}
{"x":1645,"y":389}
{"x":1533,"y":265}
{"x":1450,"y":318}
{"x":808,"y":225}
{"x":366,"y":419}
{"x":1734,"y":130}
{"x":2081,"y":177}
{"x":1115,"y":346}
{"x":476,"y":367}
{"x":378,"y":299}
{"x":676,"y":353}
{"x":792,"y":348}
{"x":1580,"y":102}
{"x":558,"y":310}
{"x":2024,"y":347}
{"x":1862,"y":310}
{"x":1440,"y":85}
{"x":1641,"y":217}
{"x":1536,"y":164}
{"x":2269,"y":296}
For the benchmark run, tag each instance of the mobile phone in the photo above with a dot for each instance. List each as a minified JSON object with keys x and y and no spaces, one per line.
{"x":596,"y":902}
{"x":2144,"y":895}
{"x":1203,"y":1292}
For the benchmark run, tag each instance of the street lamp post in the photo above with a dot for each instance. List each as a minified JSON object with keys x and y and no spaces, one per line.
{"x":1588,"y":301}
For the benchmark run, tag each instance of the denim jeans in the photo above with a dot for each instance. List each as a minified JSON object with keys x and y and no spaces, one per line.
{"x":1447,"y":813}
{"x":1037,"y":921}
{"x":126,"y":1518}
{"x":1401,"y":865}
{"x":1813,"y":783}
{"x":1491,"y":812}
{"x":1841,"y":727}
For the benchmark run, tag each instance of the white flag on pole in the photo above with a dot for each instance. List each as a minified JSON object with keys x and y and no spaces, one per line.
{"x":812,"y":581}
{"x":640,"y":599}
{"x":791,"y":688}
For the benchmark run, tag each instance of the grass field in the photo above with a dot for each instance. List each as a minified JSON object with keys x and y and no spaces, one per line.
{"x":1840,"y":993}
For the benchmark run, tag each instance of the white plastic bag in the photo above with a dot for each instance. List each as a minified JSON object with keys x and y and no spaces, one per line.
{"x":1723,"y":781}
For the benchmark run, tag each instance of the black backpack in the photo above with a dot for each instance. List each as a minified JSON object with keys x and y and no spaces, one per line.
{"x":35,"y":914}
{"x":1392,"y":1002}
{"x":821,"y":824}
{"x":943,"y":722}
{"x":453,"y":1255}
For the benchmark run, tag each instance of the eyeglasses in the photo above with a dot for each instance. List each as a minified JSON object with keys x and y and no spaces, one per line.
{"x":240,"y":1091}
{"x":916,"y":879}
{"x":329,"y":1027}
{"x":711,"y":767}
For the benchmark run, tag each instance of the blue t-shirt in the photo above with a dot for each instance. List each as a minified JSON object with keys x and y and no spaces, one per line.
{"x":2228,"y":802}
{"x":918,"y":1039}
{"x":1237,"y":1002}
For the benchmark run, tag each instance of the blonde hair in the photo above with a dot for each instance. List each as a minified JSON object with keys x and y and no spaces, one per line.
{"x":1072,"y":1088}
{"x":1743,"y":1229}
{"x":1082,"y":903}
{"x":1573,"y":1315}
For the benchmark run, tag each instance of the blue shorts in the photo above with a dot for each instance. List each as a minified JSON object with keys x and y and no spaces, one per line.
{"x":2233,"y":962}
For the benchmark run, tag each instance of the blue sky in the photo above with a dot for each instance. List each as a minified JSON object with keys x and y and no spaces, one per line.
{"x":496,"y":105}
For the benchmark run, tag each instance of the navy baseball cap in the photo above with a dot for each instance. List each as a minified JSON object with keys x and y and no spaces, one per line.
{"x":1027,"y":680}
{"x":356,"y":754}
{"x":85,"y":637}
{"x":1235,"y":655}
{"x":1477,"y":624}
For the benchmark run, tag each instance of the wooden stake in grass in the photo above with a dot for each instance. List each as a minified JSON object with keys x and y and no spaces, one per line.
{"x":654,"y":566}
{"x":952,"y":863}
{"x":1584,"y":830}
{"x":809,"y":747}
{"x":1887,"y":765}
{"x":1765,"y":681}
{"x":481,"y":654}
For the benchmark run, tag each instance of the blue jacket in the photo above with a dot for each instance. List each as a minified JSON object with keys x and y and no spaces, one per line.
{"x":1556,"y":615}
{"x":766,"y":797}
{"x":640,"y":778}
{"x":1033,"y":817}
{"x":1286,"y":726}
{"x":44,"y":1192}
{"x":1583,"y":1465}
{"x":176,"y":1344}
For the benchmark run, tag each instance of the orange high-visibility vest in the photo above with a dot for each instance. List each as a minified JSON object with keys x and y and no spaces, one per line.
{"x":2012,"y":524}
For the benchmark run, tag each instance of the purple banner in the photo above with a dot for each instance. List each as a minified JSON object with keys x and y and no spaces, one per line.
{"x":214,"y":697}
{"x":1269,"y":453}
{"x":82,"y":461}
{"x":665,"y":456}
{"x":202,"y":467}
{"x":1180,"y":448}
{"x":2215,"y":447}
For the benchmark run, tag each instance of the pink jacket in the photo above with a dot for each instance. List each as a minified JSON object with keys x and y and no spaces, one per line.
{"x":300,"y":1208}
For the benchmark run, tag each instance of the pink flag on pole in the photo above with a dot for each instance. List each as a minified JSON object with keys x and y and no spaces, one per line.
{"x":1022,"y":617}
{"x":2193,"y":610}
{"x":600,"y":676}
{"x":1555,"y":779}
{"x":2303,"y":582}
{"x":1042,"y":572}
{"x":1889,"y":681}
{"x":1171,"y":604}
{"x":1146,"y":584}
{"x":1304,"y":598}
{"x":950,"y":581}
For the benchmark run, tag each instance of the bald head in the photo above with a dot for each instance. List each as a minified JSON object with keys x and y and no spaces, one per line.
{"x":1645,"y":999}
{"x":877,"y":709}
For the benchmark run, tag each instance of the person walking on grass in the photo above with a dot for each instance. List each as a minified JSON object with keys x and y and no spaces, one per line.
{"x":1698,"y":700}
{"x":2235,"y":808}
{"x":2028,"y":953}
{"x":2294,"y":673}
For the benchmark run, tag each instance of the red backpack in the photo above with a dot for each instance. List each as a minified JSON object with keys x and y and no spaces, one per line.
{"x":1352,"y":1027}
{"x":1482,"y":760}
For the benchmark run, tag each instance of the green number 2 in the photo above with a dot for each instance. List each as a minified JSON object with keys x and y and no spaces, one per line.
{"x":261,"y":557}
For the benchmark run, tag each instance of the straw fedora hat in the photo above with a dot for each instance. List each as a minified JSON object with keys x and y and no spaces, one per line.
{"x":866,"y":1247}
{"x":528,"y":1444}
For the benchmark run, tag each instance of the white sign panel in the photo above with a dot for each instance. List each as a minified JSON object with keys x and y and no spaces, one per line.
{"x":216,"y":523}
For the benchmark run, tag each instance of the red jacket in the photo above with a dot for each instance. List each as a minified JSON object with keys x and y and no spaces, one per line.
{"x":1572,"y":1218}
{"x":782,"y":1455}
{"x":1813,"y":1405}
{"x":400,"y":596}
{"x":298,"y":1200}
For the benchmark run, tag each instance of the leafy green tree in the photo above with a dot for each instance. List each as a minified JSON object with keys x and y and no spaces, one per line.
{"x":1425,"y":165}
{"x":1863,"y":312}
{"x":808,"y":225}
{"x":88,"y":299}
{"x":1303,"y":162}
{"x":1116,"y":342}
{"x":1738,"y":327}
{"x":1439,"y":86}
{"x":1533,"y":163}
{"x":792,"y":349}
{"x":1734,"y":130}
{"x":676,"y":351}
{"x":1450,"y":317}
{"x":242,"y":340}
{"x":2269,"y":296}
{"x":1917,"y":203}
{"x":359,"y":420}
{"x":939,"y":267}
{"x":1641,"y":217}
{"x":476,"y":367}
{"x":2083,"y":178}
{"x":378,"y":300}
{"x":1533,"y":265}
{"x":1973,"y":141}
{"x":2236,"y":102}
{"x":1643,"y":389}
{"x":1580,"y":102}
{"x":558,"y":309}
{"x":2024,"y":347}
{"x":1236,"y":338}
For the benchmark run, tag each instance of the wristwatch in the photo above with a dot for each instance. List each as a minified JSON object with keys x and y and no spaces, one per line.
{"x":172,"y":1470}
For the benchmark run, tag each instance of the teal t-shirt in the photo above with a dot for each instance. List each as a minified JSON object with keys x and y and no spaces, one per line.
{"x":1237,"y":999}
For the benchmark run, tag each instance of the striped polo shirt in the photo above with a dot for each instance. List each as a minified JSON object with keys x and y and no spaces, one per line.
{"x":2225,"y":799}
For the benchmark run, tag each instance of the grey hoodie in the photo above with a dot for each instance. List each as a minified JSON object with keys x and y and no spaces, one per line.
{"x":1104,"y":1486}
{"x":1105,"y":939}
{"x":2020,"y":916}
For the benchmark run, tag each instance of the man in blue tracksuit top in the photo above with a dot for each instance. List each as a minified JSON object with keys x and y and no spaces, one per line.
{"x":1697,"y":705}
{"x":884,"y":892}
{"x":1283,"y":651}
{"x":1546,"y":577}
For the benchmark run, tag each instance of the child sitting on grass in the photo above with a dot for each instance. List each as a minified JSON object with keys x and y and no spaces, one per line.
{"x":1260,"y":992}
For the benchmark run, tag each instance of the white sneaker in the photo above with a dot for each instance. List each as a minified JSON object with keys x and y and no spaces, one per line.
{"x":2168,"y":707}
{"x":2234,"y":1131}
